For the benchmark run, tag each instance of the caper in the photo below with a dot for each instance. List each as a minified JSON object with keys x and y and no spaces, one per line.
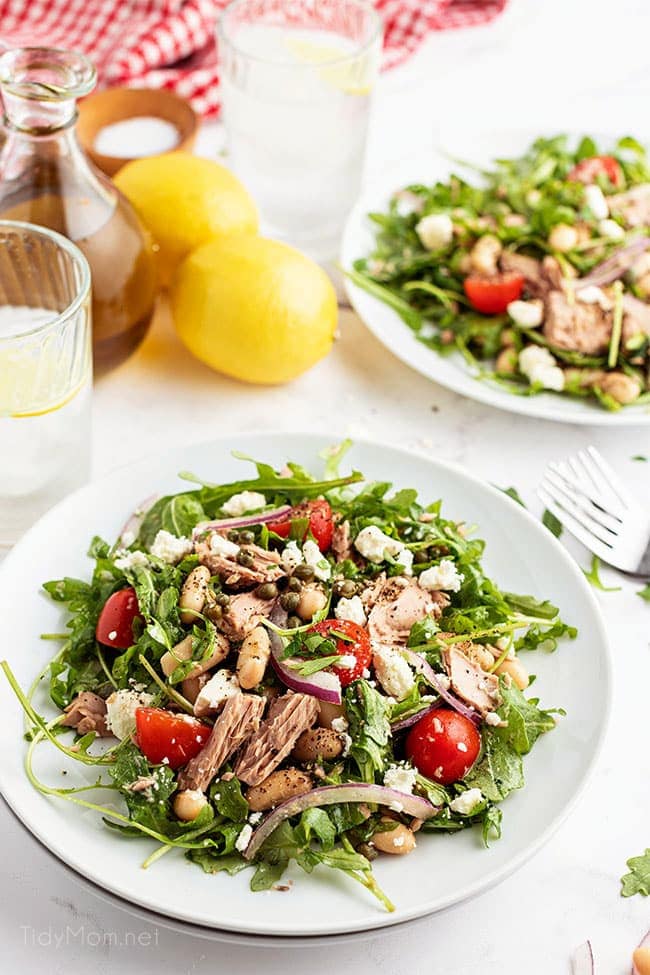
{"x":367,"y":851}
{"x":289,"y":601}
{"x":268,"y":590}
{"x":293,"y":622}
{"x":245,"y":558}
{"x":294,"y":585}
{"x":347,"y":588}
{"x":421,"y":555}
{"x":233,"y":535}
{"x":214,"y":612}
{"x":304,"y":572}
{"x":222,"y":599}
{"x":246,"y":537}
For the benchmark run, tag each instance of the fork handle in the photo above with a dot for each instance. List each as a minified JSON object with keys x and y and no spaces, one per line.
{"x":643,"y":568}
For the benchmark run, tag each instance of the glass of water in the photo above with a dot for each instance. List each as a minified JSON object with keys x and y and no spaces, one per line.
{"x":297,"y":79}
{"x":45,"y":373}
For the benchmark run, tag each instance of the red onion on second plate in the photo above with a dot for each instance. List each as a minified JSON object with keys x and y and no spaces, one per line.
{"x":329,"y":795}
{"x":424,"y":667}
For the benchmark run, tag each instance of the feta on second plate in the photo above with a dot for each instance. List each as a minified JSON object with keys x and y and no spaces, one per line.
{"x":169,"y":548}
{"x":444,"y":576}
{"x":245,"y":501}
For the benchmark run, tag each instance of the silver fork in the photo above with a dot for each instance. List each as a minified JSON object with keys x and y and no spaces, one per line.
{"x":589,"y":498}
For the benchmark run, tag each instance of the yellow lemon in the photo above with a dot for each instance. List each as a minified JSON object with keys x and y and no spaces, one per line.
{"x":184,"y":200}
{"x":253,"y":308}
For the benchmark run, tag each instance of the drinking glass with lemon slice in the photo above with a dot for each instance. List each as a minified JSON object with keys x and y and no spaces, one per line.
{"x":45,"y":373}
{"x":297,"y":81}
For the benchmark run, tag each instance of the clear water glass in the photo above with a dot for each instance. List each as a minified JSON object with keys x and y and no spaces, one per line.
{"x":297,"y":81}
{"x":45,"y":373}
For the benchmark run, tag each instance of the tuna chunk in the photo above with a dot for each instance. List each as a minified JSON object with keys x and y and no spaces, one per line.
{"x":341,"y":541}
{"x":540,"y":276}
{"x":239,"y":720}
{"x":264,"y":568}
{"x":87,"y":712}
{"x":632,"y":205}
{"x":288,"y":717}
{"x":244,"y":612}
{"x":577,"y":326}
{"x":398,"y":603}
{"x":636,"y":317}
{"x":470,"y":682}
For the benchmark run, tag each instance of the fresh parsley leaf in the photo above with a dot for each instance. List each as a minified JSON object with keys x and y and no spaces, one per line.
{"x":553,"y":524}
{"x":593,"y":576}
{"x":637,"y":881}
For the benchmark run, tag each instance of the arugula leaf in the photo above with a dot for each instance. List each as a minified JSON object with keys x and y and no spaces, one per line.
{"x":423,"y":631}
{"x":530,"y":606}
{"x":641,"y":457}
{"x":149,"y":807}
{"x":500,"y":769}
{"x":637,"y":881}
{"x":513,"y":493}
{"x":367,"y":712}
{"x":267,"y":874}
{"x":645,"y":592}
{"x":227,"y":797}
{"x":491,"y":823}
{"x":545,"y":638}
{"x":525,"y":722}
{"x":553,"y":524}
{"x":212,"y":862}
{"x":593,"y":576}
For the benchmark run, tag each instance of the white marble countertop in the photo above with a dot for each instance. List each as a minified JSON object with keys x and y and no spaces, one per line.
{"x":561,"y":63}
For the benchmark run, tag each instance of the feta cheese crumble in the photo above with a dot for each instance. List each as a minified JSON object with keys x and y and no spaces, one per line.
{"x":351,"y":609}
{"x":169,"y":548}
{"x":216,"y":691}
{"x":466,"y":802}
{"x":593,"y":295}
{"x":375,"y":545}
{"x":401,"y":778}
{"x":315,"y":558}
{"x":492,"y":719}
{"x":611,"y":230}
{"x":339,"y":725}
{"x":254,"y":818}
{"x":435,"y":230}
{"x":223,"y":546}
{"x":539,"y":366}
{"x":130,"y":560}
{"x":245,"y":501}
{"x":291,"y":556}
{"x":347,"y":660}
{"x":528,"y":314}
{"x":444,"y":576}
{"x":595,"y":200}
{"x":244,"y":837}
{"x":393,"y":672}
{"x":120,"y":711}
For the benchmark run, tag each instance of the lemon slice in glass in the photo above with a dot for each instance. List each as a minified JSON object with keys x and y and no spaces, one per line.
{"x":341,"y":69}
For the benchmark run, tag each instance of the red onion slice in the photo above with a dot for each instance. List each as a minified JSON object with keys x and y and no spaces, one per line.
{"x":615,"y":265}
{"x":582,"y":960}
{"x":131,"y":527}
{"x":424,"y":667}
{"x":243,"y":521}
{"x":414,"y":718}
{"x":324,"y":685}
{"x":644,"y":943}
{"x":329,"y":795}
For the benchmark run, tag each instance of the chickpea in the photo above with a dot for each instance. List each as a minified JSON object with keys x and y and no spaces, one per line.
{"x":253,"y":658}
{"x":516,"y":670}
{"x":194,"y":593}
{"x":641,"y":959}
{"x":398,"y":841}
{"x":189,"y":804}
{"x":328,"y":712}
{"x":278,"y":787}
{"x":485,"y":253}
{"x":563,"y":237}
{"x":317,"y":743}
{"x":507,"y":360}
{"x":507,"y":337}
{"x":311,"y":601}
{"x":624,"y":389}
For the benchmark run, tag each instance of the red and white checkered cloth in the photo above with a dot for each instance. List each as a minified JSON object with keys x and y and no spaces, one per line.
{"x":170,"y":43}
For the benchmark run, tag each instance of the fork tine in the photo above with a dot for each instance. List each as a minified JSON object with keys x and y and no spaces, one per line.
{"x":587,"y":539}
{"x":562,"y":497}
{"x":576,"y":493}
{"x":586,"y":470}
{"x":573,"y":474}
{"x":608,"y":472}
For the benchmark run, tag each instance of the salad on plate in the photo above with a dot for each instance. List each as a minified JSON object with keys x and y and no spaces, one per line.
{"x":536,"y":270}
{"x":290,"y":669}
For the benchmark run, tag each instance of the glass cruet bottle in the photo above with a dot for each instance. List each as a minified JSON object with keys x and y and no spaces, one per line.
{"x":46,"y":179}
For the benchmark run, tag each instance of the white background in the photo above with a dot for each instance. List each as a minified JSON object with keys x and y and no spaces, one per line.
{"x":551,"y":64}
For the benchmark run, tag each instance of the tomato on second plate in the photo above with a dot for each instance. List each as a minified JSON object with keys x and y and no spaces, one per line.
{"x":588,"y":170}
{"x":491,"y":296}
{"x":443,"y":745}
{"x":354,"y":642}
{"x":321,"y":524}
{"x":115,"y":624}
{"x":162,"y":735}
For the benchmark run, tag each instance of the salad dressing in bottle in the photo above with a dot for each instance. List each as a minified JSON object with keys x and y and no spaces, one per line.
{"x":46,"y":179}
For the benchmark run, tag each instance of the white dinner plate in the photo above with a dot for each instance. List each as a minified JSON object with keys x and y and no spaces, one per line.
{"x":521,"y":554}
{"x":429,"y":166}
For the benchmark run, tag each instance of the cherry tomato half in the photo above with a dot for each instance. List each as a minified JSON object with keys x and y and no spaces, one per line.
{"x":162,"y":735}
{"x":115,"y":624}
{"x":588,"y":170}
{"x":491,"y":296}
{"x":320,"y":525}
{"x":443,"y":745}
{"x":355,"y":643}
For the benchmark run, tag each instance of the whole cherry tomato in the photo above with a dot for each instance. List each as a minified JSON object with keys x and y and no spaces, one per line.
{"x":172,"y":739}
{"x":115,"y":624}
{"x":491,"y":296}
{"x":588,"y":170}
{"x":319,"y":515}
{"x":351,"y":641}
{"x":443,"y":745}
